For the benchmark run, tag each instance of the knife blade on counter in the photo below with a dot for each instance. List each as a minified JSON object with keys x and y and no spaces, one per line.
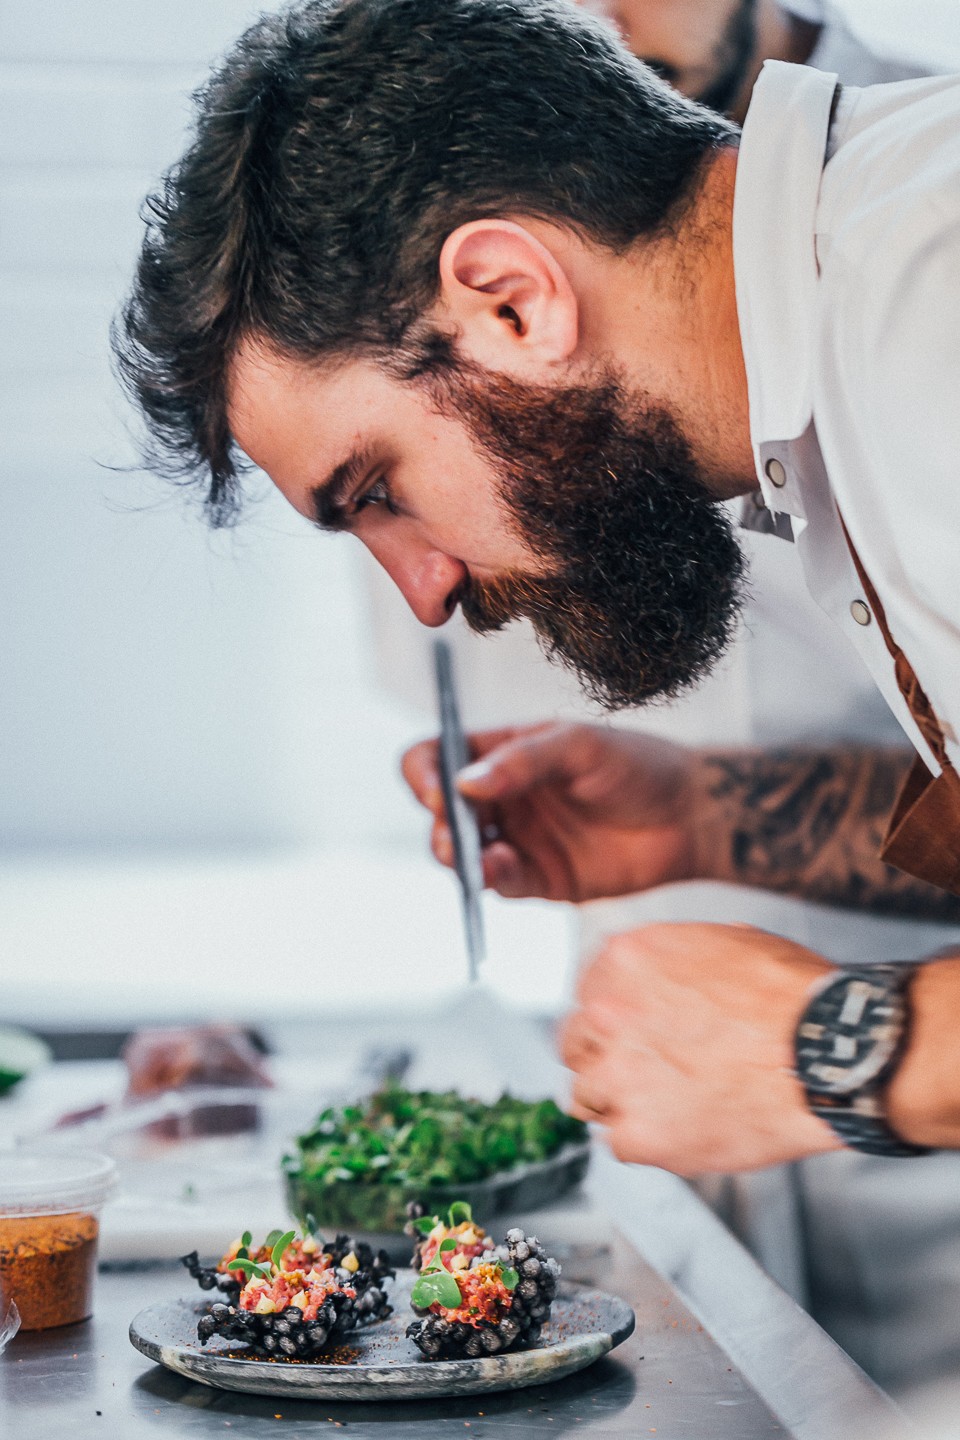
{"x":461,"y":816}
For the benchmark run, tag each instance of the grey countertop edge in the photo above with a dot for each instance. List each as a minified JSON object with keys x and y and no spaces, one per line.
{"x":813,"y":1387}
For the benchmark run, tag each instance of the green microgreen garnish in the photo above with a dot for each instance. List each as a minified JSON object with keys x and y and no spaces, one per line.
{"x":276,"y":1254}
{"x":425,"y":1139}
{"x":509,"y":1276}
{"x":272,"y":1239}
{"x":435,"y":1286}
{"x":446,"y":1246}
{"x":460,"y":1211}
{"x":251,"y":1268}
{"x":426,"y":1223}
{"x":246,"y":1240}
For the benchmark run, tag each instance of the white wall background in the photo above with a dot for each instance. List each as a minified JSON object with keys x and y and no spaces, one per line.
{"x":159,"y":686}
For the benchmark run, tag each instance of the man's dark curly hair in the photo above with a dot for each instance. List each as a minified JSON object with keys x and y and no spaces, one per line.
{"x":334,"y":150}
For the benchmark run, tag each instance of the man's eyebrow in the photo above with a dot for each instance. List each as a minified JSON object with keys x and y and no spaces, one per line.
{"x":328,"y":497}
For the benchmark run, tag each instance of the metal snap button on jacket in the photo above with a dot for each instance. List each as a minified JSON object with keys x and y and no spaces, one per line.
{"x":860,"y":611}
{"x":776,"y":474}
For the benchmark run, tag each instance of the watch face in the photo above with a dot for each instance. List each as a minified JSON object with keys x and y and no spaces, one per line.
{"x":850,"y":1034}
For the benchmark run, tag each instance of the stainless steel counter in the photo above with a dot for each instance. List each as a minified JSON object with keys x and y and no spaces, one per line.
{"x":719,"y":1353}
{"x":671,"y":1379}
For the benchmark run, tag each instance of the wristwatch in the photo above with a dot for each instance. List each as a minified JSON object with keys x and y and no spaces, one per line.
{"x":848,"y":1043}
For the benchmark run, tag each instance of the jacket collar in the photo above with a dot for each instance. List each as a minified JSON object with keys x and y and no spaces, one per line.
{"x":781,"y":160}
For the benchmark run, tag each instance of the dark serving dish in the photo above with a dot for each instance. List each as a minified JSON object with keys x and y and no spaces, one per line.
{"x":380,"y":1209}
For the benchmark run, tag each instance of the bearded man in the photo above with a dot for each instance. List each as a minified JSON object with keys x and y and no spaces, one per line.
{"x":473,"y":285}
{"x":868,"y":1243}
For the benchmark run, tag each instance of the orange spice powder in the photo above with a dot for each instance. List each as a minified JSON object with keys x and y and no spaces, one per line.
{"x":47,"y":1265}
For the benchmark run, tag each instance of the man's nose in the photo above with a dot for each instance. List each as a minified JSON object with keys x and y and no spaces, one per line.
{"x":429,"y":580}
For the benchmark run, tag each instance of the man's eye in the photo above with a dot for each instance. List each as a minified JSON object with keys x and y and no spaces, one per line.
{"x":377,"y":494}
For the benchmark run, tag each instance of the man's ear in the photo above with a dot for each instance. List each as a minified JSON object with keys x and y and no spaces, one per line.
{"x":509,"y":297}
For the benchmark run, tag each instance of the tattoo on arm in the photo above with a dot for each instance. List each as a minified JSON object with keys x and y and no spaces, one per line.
{"x":811,"y":823}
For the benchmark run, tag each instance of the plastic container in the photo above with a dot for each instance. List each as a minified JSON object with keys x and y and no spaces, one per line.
{"x":50,"y":1203}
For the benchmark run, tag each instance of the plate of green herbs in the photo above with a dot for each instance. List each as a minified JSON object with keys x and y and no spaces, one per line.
{"x":360,"y":1166}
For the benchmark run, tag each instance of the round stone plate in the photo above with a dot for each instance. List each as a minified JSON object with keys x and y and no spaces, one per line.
{"x":380,"y":1363}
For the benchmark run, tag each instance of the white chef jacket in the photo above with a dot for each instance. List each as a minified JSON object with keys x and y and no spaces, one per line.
{"x":848,"y":293}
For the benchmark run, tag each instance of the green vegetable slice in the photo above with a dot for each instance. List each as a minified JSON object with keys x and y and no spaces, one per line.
{"x":435,"y":1287}
{"x":426,"y":1223}
{"x":251,"y":1268}
{"x":276,"y":1254}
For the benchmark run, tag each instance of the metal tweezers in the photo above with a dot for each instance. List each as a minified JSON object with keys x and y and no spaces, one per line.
{"x":461,"y":816}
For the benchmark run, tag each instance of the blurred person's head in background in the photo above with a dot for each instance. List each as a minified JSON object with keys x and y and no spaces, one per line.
{"x":447,"y":271}
{"x":711,"y":50}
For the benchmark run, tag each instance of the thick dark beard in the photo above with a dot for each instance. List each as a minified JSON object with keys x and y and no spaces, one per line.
{"x":734,"y":56}
{"x":645,"y":576}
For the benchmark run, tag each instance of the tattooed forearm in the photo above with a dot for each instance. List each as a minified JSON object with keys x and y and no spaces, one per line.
{"x":811,"y":823}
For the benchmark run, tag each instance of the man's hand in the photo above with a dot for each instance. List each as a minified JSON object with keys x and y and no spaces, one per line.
{"x":580,"y":812}
{"x":570,"y":812}
{"x":682,"y":1047}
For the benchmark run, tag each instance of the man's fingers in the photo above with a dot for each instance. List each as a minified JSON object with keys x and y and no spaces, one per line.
{"x":505,"y":871}
{"x":503,"y":868}
{"x":591,"y":1102}
{"x":577,"y":1041}
{"x":441,"y":843}
{"x":506,"y":762}
{"x":420,"y":767}
{"x":584,"y":1036}
{"x":529,"y":759}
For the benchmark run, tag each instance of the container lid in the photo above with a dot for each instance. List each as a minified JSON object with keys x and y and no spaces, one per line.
{"x":46,"y":1180}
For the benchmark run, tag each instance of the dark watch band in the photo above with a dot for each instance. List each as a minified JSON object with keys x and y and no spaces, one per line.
{"x":861,"y":1128}
{"x":848,"y":1044}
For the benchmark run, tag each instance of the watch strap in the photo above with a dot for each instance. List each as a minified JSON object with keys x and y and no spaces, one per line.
{"x":859,"y":1119}
{"x":862,"y":1125}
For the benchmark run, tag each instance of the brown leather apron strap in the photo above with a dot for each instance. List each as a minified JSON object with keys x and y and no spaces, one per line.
{"x":923,"y":836}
